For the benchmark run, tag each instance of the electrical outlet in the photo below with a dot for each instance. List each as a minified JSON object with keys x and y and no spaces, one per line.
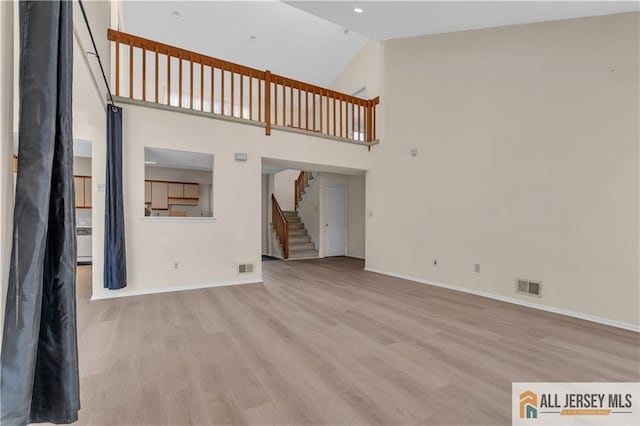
{"x":435,"y":262}
{"x":176,"y":265}
{"x":477,"y":267}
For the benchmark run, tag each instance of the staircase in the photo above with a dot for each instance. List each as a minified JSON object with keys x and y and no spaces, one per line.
{"x":300,"y":245}
{"x":289,"y":231}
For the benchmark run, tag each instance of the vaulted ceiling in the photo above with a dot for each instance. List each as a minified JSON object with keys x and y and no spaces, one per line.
{"x":288,"y":41}
{"x":383,"y":20}
{"x":314,"y":41}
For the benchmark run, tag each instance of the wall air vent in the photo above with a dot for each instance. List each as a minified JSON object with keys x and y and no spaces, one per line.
{"x":531,"y":288}
{"x":245,"y":268}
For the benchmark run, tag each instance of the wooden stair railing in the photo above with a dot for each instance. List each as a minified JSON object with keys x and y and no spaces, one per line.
{"x":281,"y":225}
{"x":300,"y":185}
{"x":212,"y":85}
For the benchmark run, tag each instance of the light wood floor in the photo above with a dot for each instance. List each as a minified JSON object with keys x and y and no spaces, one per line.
{"x":324,"y":342}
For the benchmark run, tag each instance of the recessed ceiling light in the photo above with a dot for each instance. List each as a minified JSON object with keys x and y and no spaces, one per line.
{"x":358,"y":10}
{"x":176,"y":14}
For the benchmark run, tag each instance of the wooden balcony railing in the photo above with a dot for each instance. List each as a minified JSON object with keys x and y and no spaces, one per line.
{"x":300,"y":185}
{"x":280,"y":224}
{"x":159,"y":73}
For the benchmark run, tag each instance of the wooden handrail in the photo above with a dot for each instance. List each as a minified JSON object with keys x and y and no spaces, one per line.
{"x":280,"y":224}
{"x":307,"y":107}
{"x":177,"y":52}
{"x":300,"y":185}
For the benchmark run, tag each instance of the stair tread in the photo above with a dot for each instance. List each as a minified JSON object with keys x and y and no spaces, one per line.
{"x":299,"y":239}
{"x":300,"y":246}
{"x":309,"y":254}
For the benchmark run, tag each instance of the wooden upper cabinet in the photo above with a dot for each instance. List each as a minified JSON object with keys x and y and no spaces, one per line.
{"x":176,"y":190}
{"x":162,"y":194}
{"x":87,"y":193}
{"x":79,"y":185}
{"x":147,"y":192}
{"x":159,"y":195}
{"x":83,"y":191}
{"x":191,"y":190}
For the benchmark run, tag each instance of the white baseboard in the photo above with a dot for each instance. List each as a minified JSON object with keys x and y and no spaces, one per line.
{"x":126,"y":293}
{"x":356,"y":257}
{"x":587,"y":317}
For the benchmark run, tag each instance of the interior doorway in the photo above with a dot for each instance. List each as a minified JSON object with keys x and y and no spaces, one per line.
{"x":335,"y":220}
{"x":84,"y":211}
{"x":320,"y":208}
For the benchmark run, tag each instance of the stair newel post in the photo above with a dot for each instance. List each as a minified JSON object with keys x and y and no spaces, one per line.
{"x":369,"y":118}
{"x":286,"y":239}
{"x":267,"y":103}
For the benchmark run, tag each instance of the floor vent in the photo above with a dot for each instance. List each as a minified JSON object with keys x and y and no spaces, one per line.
{"x":531,"y":288}
{"x":245,"y":268}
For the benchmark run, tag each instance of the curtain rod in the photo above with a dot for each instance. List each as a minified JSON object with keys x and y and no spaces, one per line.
{"x":95,"y":52}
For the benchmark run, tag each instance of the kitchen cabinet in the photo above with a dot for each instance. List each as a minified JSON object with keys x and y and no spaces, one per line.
{"x":176,"y":190}
{"x":79,"y":185}
{"x":88,"y":201}
{"x":191,"y":190}
{"x":147,"y":192}
{"x":159,"y":195}
{"x":83,"y":191}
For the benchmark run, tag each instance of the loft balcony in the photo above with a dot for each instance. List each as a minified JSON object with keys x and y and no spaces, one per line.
{"x":158,"y":74}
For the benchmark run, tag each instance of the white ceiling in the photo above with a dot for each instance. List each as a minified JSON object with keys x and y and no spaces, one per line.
{"x":306,"y":40}
{"x":174,"y":159}
{"x":383,"y":20}
{"x":288,"y":41}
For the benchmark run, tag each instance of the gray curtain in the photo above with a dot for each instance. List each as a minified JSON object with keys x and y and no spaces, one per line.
{"x":39,"y":364}
{"x":115,"y":265}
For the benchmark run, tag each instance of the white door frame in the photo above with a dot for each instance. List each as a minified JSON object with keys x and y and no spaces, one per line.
{"x":346,"y":217}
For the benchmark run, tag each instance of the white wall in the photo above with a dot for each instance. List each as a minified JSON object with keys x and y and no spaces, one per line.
{"x":284,"y":188}
{"x":208,"y":253}
{"x":309,"y":211}
{"x":365,"y":70}
{"x":7,"y":56}
{"x":527,"y":163}
{"x":356,"y":203}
